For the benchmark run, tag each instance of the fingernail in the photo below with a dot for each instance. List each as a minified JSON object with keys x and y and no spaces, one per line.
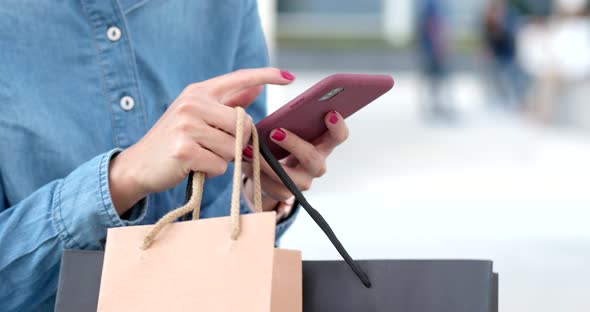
{"x":248,"y":152}
{"x":279,"y":135}
{"x":333,"y":119}
{"x":287,"y":75}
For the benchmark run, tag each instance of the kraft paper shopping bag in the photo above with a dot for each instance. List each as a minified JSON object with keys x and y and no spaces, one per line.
{"x":218,"y":264}
{"x":287,"y":289}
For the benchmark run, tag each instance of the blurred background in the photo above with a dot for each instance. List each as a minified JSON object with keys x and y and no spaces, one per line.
{"x":481,"y":150}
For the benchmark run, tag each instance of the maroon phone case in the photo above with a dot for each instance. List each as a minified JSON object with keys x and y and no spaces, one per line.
{"x":304,"y":115}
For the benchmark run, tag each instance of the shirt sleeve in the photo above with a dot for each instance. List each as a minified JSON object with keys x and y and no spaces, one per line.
{"x":69,"y":213}
{"x":252,"y":53}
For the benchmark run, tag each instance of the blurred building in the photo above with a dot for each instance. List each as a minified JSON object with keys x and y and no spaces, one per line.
{"x":388,"y":20}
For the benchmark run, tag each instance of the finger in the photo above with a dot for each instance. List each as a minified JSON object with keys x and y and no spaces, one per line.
{"x":242,"y":98}
{"x":336,"y":135}
{"x":217,"y":141}
{"x":300,"y":176}
{"x":271,"y":188}
{"x":203,"y":160}
{"x":306,"y":153}
{"x":246,"y":78}
{"x":221,"y":117}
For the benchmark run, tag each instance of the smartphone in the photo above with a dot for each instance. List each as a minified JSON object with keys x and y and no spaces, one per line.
{"x":304,"y":115}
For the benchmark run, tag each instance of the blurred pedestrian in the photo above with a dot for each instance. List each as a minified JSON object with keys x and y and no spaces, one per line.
{"x":500,"y":26}
{"x":557,"y":54}
{"x":433,"y":46}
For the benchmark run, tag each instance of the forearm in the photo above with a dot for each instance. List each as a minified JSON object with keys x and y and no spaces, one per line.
{"x":73,"y":212}
{"x":125,"y":190}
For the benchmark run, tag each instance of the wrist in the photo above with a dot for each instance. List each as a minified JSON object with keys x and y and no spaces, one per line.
{"x":284,"y":208}
{"x":123,"y":185}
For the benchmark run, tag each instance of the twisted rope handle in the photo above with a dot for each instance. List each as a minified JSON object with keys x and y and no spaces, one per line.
{"x":198,"y":181}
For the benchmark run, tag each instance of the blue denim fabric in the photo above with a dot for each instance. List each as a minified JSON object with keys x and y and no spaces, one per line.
{"x":61,"y":82}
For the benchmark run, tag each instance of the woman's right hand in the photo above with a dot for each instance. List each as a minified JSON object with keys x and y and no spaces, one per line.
{"x":196,"y":133}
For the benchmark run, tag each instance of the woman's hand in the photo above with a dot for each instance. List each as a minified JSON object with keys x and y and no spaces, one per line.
{"x":196,"y":133}
{"x":306,"y":162}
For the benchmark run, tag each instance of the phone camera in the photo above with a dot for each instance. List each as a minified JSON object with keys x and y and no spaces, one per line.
{"x":330,"y":94}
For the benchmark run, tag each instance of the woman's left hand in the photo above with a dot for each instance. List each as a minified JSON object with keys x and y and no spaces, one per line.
{"x":306,"y":162}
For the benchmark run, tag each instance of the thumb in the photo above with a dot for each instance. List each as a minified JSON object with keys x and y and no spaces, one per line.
{"x":243,"y":98}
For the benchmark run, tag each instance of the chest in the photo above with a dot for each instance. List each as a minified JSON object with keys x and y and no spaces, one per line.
{"x":71,"y":88}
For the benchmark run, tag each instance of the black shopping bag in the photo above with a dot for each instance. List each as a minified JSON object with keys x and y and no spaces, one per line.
{"x":401,"y":285}
{"x":79,"y":280}
{"x":329,"y":286}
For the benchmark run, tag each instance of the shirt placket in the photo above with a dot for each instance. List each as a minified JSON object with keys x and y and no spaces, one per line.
{"x":116,"y":60}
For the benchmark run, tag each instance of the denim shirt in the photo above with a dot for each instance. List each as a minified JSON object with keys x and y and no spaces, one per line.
{"x":81,"y":80}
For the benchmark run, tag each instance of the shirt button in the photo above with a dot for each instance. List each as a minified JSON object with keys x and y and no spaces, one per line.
{"x":127,"y":103}
{"x":114,"y":33}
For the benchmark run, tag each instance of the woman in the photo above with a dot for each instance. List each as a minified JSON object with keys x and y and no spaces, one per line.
{"x":433,"y":45}
{"x":500,"y":27}
{"x":106,"y":106}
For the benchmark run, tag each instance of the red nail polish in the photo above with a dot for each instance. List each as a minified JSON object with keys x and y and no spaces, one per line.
{"x":287,"y":75}
{"x":248,"y":152}
{"x":333,"y":119}
{"x":279,"y":135}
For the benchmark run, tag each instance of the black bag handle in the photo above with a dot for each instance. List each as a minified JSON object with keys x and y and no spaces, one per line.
{"x":315,"y":215}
